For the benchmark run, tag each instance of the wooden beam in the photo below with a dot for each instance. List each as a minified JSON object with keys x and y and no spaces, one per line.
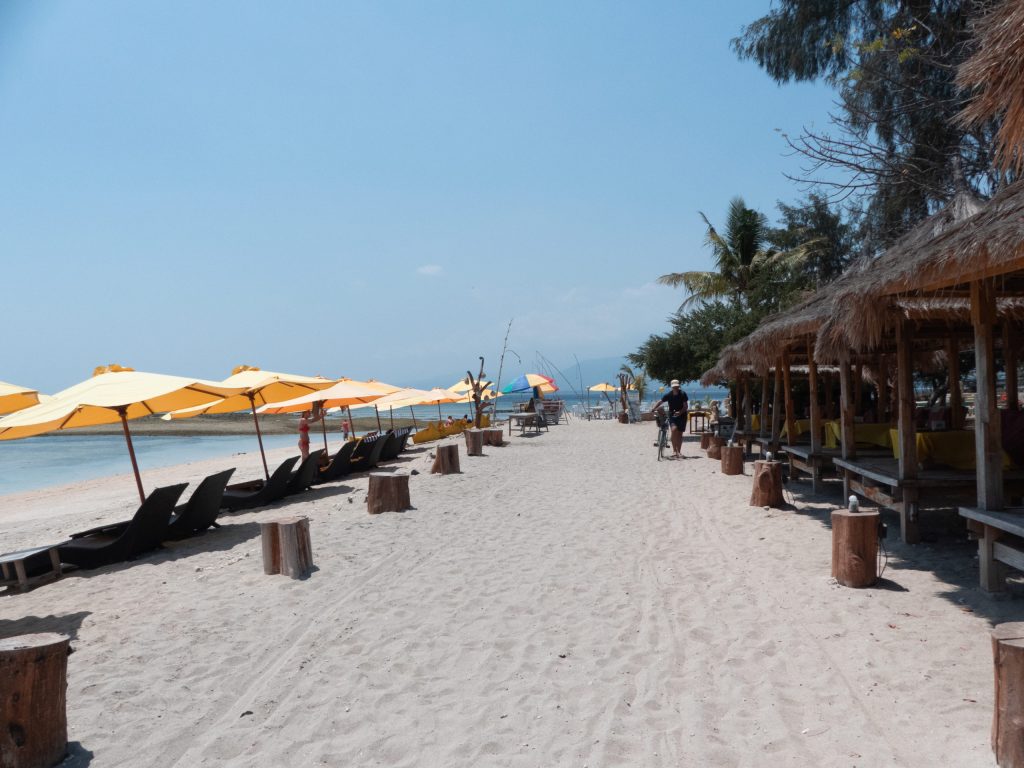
{"x":812,"y":376}
{"x":846,"y":433}
{"x":1010,"y":364}
{"x":777,"y":405}
{"x":956,"y":400}
{"x":988,"y":447}
{"x":787,"y":386}
{"x":907,"y":431}
{"x":764,"y":406}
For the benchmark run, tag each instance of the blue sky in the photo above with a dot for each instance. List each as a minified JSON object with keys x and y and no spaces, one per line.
{"x":366,"y":188}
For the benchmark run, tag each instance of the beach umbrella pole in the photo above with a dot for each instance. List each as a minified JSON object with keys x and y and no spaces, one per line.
{"x":391,"y":413}
{"x":413,"y":414}
{"x":131,"y":453}
{"x":323,"y":427}
{"x":259,"y":437}
{"x":378,"y":417}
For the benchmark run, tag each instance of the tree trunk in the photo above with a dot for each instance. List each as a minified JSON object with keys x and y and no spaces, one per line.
{"x":732,"y":459}
{"x":767,"y":489}
{"x":287,"y":547}
{"x":494,"y":437}
{"x":33,"y":679}
{"x":387,"y":493}
{"x":855,"y":548}
{"x":1008,"y":711}
{"x":715,"y":448}
{"x":474,"y":442}
{"x":446,"y":462}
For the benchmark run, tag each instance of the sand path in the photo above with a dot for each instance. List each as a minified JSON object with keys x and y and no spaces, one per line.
{"x":566,"y":601}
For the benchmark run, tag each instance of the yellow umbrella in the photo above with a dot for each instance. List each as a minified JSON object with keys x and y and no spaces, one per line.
{"x":113,"y":394}
{"x":256,"y":388}
{"x":604,"y":386}
{"x":462,"y":385}
{"x":14,"y":398}
{"x":411,"y":396}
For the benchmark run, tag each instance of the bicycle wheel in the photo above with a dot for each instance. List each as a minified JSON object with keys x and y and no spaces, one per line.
{"x":662,"y":443}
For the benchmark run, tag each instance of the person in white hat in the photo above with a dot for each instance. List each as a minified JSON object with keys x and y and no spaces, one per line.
{"x":678,"y":405}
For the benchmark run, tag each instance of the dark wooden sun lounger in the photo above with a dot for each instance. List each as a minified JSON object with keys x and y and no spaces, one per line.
{"x":124,"y":541}
{"x":201,"y":510}
{"x":396,"y":445}
{"x":367,"y":458}
{"x":339,"y":466}
{"x":259,"y":493}
{"x":302,"y":477}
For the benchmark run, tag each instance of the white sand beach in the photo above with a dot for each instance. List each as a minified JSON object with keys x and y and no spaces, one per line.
{"x":565,"y":601}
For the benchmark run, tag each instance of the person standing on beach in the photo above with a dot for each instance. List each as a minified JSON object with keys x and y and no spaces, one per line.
{"x":304,"y":421}
{"x":678,"y":405}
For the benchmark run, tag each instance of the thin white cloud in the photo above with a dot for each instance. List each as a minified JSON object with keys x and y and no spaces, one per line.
{"x":429,"y":269}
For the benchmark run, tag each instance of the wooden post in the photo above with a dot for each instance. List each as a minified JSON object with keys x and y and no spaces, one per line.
{"x":847,"y":436}
{"x":494,"y":436}
{"x":1008,"y":707}
{"x":1010,"y":364}
{"x":33,"y":708}
{"x":387,"y":493}
{"x":767,"y":486}
{"x":777,"y":405}
{"x":715,"y":448}
{"x":763,"y":418}
{"x":287,"y":548}
{"x":956,"y":402}
{"x":907,"y":433}
{"x":812,"y":375}
{"x":855,"y":547}
{"x":988,"y":445}
{"x":747,"y":404}
{"x":446,"y":460}
{"x":732,"y":459}
{"x":787,"y":384}
{"x":882,"y":389}
{"x":474,"y":442}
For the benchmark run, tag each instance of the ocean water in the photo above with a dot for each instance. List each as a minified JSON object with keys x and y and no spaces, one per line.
{"x":39,"y":462}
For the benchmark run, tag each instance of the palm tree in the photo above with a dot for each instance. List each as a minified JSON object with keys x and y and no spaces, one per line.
{"x":741,"y":256}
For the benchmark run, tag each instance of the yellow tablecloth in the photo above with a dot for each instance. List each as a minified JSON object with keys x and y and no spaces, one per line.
{"x":872,"y":434}
{"x":755,"y":423}
{"x":952,"y":449}
{"x":802,"y":425}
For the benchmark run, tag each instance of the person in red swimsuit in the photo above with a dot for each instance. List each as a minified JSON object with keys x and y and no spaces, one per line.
{"x":304,"y":421}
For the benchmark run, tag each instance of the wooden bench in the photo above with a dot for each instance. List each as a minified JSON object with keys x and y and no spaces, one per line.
{"x":20,"y":576}
{"x":802,"y":460}
{"x":1000,"y":542}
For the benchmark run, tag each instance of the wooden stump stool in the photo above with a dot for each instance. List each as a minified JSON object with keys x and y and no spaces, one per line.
{"x":705,"y":440}
{"x":474,"y":442}
{"x":287,"y":548}
{"x":715,"y":448}
{"x":1008,"y":709}
{"x":446,"y":462}
{"x":33,"y":708}
{"x":855,"y":548}
{"x":494,"y":437}
{"x":732,"y":459}
{"x":388,"y":493}
{"x":767,"y":490}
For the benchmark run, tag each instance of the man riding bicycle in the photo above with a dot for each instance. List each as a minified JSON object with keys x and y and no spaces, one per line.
{"x":678,"y":405}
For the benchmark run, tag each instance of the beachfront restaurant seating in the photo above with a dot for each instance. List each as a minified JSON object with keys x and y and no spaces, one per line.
{"x":116,"y":543}
{"x":259,"y":493}
{"x":303,"y":477}
{"x":200,"y":512}
{"x":339,"y":466}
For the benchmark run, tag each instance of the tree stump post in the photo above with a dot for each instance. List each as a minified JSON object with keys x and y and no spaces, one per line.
{"x":854,"y":547}
{"x":715,"y":448}
{"x":388,"y":493}
{"x":446,"y":461}
{"x":1008,"y":709}
{"x":33,"y":679}
{"x":287,"y":547}
{"x":767,"y":486}
{"x":732,"y":459}
{"x":474,"y":442}
{"x":494,"y":437}
{"x":705,"y":440}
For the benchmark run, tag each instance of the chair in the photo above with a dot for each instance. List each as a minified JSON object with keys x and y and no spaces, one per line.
{"x":303,"y":477}
{"x":124,"y":541}
{"x":368,"y":458}
{"x":201,"y":510}
{"x":339,"y":466}
{"x":257,"y":493}
{"x":395,"y":446}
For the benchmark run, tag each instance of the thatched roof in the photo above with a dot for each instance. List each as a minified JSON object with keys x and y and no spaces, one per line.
{"x":995,"y":75}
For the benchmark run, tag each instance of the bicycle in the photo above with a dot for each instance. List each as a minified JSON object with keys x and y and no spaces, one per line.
{"x":663,"y":427}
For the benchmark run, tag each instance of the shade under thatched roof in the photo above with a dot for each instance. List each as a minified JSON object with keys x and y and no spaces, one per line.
{"x":995,"y":75}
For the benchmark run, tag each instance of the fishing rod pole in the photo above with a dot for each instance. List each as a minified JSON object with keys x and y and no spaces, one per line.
{"x":501,"y":365}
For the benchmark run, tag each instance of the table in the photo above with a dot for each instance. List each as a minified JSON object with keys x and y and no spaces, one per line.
{"x":871,"y":434}
{"x":702,"y":418}
{"x":17,"y":559}
{"x":953,"y":448}
{"x":802,"y":425}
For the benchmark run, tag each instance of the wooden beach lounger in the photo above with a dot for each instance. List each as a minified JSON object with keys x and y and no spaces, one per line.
{"x":367,"y":454}
{"x":396,"y":446}
{"x":259,"y":493}
{"x":200,"y":512}
{"x":303,"y":477}
{"x":124,"y":541}
{"x":339,"y":466}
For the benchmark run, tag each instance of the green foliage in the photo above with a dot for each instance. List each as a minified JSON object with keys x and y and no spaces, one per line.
{"x":828,"y":238}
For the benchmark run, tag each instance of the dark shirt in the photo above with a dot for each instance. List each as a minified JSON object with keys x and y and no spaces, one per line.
{"x":677,"y":401}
